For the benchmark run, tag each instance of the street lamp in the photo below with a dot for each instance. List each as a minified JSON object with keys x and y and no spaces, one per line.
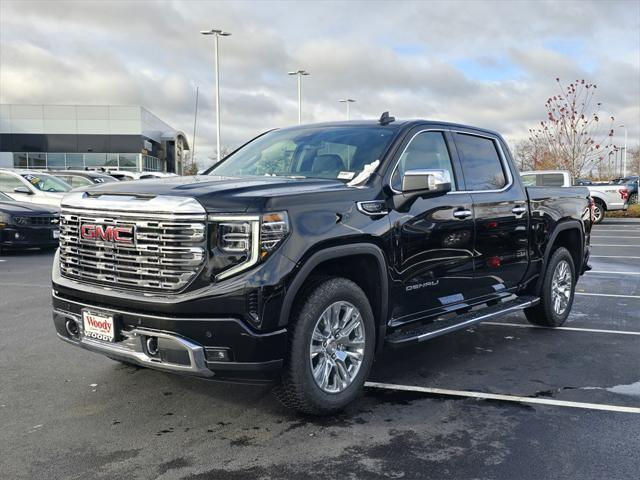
{"x":216,"y":34}
{"x":348,"y":101}
{"x":624,"y":161}
{"x":299,"y":74}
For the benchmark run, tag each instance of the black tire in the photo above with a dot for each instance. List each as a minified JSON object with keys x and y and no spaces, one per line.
{"x":633,"y":199}
{"x":599,"y":211}
{"x":298,"y":389}
{"x":544,"y":314}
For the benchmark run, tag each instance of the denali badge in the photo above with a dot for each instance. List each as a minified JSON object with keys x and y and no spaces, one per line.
{"x":117,"y":234}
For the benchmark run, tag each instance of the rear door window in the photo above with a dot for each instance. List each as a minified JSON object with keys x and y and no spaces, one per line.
{"x":481,"y":163}
{"x":8,"y":183}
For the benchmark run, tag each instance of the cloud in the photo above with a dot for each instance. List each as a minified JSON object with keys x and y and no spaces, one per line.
{"x":491,"y":64}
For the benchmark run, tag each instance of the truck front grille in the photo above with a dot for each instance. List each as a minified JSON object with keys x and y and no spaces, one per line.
{"x":40,"y":220}
{"x":155,"y":253}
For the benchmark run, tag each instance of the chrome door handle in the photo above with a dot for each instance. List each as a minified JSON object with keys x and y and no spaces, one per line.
{"x":462,"y":213}
{"x":519,"y":210}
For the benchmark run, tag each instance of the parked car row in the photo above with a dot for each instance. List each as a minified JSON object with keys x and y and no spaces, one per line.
{"x":616,"y":195}
{"x":30,"y":201}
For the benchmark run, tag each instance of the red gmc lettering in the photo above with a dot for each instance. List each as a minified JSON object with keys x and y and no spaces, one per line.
{"x":108,"y":233}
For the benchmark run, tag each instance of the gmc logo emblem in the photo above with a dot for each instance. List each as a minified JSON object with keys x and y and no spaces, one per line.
{"x":107,"y":233}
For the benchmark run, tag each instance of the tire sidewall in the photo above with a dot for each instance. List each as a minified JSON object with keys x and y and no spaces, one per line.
{"x":558,"y":255}
{"x":325,"y":294}
{"x":600,"y":207}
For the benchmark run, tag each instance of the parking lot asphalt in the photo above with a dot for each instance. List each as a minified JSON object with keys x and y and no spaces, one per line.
{"x":68,"y":413}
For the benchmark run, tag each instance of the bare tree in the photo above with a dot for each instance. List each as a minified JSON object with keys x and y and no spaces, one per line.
{"x":572,"y":137}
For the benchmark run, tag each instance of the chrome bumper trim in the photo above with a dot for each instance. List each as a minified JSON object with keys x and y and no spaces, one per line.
{"x":131,"y":350}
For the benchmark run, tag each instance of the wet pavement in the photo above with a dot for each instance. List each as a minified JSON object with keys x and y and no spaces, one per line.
{"x":68,"y":413}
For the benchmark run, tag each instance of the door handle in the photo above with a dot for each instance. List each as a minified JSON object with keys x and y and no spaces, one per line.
{"x":462,"y":214}
{"x":519,"y":210}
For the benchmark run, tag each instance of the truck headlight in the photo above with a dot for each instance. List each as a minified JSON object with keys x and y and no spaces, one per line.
{"x":238,"y":242}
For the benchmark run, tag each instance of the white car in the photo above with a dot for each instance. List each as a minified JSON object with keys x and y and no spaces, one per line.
{"x":32,"y":186}
{"x":606,"y":197}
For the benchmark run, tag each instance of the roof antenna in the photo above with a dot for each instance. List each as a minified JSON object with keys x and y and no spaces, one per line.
{"x":385,"y":119}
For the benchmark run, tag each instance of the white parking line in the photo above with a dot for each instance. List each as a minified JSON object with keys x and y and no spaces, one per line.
{"x":569,"y":329}
{"x":504,"y":398}
{"x":610,"y":236}
{"x":604,"y":245}
{"x":606,"y":295}
{"x":621,"y":273}
{"x":612,"y":256}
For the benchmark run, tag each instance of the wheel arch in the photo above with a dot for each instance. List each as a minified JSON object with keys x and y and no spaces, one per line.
{"x":369,"y":259}
{"x":567,"y":234}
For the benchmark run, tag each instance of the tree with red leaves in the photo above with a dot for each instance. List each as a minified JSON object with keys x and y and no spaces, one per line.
{"x":571,"y":138}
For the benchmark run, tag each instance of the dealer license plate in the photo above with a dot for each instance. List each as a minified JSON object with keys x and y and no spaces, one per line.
{"x":98,"y":325}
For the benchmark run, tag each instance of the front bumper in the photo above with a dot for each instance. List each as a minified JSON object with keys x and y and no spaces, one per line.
{"x":252,"y":357}
{"x":25,"y":237}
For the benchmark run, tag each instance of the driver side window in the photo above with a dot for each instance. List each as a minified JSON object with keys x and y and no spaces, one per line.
{"x":425,"y":151}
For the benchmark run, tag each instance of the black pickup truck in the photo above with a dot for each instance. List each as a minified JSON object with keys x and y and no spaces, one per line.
{"x":307,"y":250}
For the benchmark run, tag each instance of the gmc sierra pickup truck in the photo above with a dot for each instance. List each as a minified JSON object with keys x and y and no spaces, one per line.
{"x":309,"y":249}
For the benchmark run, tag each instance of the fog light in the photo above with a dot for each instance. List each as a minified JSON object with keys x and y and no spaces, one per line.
{"x":152,"y":346}
{"x":216,"y":354}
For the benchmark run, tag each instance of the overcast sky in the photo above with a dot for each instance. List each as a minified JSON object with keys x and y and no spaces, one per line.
{"x":491,"y":64}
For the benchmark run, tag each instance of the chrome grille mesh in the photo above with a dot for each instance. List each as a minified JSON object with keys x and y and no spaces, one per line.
{"x":168,"y":253}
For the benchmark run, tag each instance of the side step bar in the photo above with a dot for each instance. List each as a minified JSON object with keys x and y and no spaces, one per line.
{"x":436,"y":328}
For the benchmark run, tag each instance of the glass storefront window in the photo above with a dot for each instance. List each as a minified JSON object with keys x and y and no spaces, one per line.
{"x":75,"y":161}
{"x":150,"y":164}
{"x":55,"y":161}
{"x":95,"y":159}
{"x":20,"y":160}
{"x":112,"y":160}
{"x":128,"y":161}
{"x":37,"y":160}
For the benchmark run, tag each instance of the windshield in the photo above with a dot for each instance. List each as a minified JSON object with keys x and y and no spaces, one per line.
{"x":5,"y":198}
{"x":46,"y":183}
{"x":321,"y":152}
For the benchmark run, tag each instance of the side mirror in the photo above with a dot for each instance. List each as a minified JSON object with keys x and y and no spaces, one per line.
{"x":420,"y":183}
{"x":24,"y":190}
{"x":424,"y":182}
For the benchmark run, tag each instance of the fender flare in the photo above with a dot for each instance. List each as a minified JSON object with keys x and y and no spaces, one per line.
{"x":333,"y":253}
{"x":560,"y":227}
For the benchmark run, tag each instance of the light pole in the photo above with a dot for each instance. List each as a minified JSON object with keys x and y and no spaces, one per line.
{"x":216,"y":34}
{"x":348,"y":101}
{"x":195,"y":120}
{"x":299,"y":74}
{"x":624,"y":161}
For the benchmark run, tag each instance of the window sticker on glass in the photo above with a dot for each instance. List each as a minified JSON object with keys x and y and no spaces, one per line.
{"x":346,"y":175}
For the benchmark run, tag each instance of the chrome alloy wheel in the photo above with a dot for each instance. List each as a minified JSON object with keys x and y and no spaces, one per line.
{"x":337,"y":347}
{"x":561,"y":285}
{"x":597,"y":213}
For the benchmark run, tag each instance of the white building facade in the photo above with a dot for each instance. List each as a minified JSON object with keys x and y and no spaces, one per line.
{"x":76,"y":137}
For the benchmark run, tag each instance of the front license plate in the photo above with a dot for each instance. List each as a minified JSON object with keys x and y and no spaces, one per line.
{"x":56,"y":234}
{"x":98,"y":325}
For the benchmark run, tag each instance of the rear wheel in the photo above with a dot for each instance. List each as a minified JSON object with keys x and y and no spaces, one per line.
{"x":558,"y":288}
{"x":633,"y":199}
{"x":598,"y":211}
{"x":331,"y":348}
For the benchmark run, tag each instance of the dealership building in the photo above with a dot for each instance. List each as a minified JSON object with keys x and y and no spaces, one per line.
{"x":89,"y":136}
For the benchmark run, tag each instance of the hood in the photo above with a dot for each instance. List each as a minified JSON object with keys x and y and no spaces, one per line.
{"x":221,"y":194}
{"x":19,"y":208}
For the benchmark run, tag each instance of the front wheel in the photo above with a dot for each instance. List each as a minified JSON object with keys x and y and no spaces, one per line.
{"x":633,"y":199}
{"x":558,"y":289}
{"x":331,"y":348}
